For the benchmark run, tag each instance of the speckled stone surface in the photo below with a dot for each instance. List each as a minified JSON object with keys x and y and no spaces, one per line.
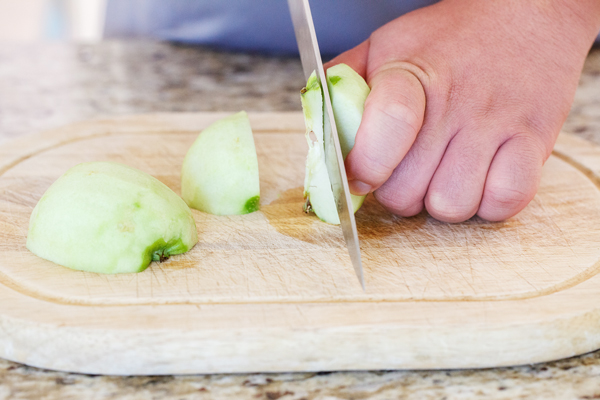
{"x":50,"y":85}
{"x":45,"y":86}
{"x":584,"y":119}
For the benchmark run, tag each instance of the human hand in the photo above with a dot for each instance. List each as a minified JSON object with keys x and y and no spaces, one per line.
{"x":467,"y":99}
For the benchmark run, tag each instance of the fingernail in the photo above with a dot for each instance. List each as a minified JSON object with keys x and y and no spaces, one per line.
{"x":359,"y":188}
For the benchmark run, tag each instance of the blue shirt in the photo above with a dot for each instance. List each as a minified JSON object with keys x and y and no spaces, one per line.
{"x":255,"y":25}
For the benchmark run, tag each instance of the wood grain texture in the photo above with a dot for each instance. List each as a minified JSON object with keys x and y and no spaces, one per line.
{"x":275,"y":291}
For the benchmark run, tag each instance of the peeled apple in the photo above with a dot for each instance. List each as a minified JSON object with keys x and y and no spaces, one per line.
{"x":109,"y":218}
{"x":348,"y":91}
{"x":220,"y":170}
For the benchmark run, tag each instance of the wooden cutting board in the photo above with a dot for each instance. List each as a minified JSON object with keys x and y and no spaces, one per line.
{"x":275,"y":291}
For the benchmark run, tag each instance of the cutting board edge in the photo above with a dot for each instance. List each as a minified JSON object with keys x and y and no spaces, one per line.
{"x":93,"y":350}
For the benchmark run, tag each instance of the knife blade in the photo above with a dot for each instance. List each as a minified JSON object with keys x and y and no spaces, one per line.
{"x":311,"y":61}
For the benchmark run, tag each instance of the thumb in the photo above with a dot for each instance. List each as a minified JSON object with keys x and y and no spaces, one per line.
{"x":393,"y":115}
{"x":355,"y":58}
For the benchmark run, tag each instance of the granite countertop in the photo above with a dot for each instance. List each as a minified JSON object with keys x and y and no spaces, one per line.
{"x":44,"y":86}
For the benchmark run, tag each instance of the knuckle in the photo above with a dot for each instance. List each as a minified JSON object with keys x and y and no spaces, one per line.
{"x":375,"y":160}
{"x":514,"y":181}
{"x":504,"y":198}
{"x":444,"y":207}
{"x":539,"y":133}
{"x":372,"y":169}
{"x":400,"y":200}
{"x":399,"y":117}
{"x":533,"y":145}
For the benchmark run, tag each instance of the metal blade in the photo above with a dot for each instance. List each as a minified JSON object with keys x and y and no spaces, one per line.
{"x":311,"y":61}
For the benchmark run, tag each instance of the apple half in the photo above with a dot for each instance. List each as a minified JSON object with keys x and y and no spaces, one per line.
{"x":220,"y":170}
{"x":348,"y":91}
{"x":109,"y":218}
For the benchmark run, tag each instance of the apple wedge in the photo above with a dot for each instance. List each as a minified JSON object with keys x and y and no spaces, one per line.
{"x":348,"y":92}
{"x":109,"y":218}
{"x":220,"y":170}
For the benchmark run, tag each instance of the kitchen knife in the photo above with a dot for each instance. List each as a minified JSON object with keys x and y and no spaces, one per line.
{"x":311,"y":61}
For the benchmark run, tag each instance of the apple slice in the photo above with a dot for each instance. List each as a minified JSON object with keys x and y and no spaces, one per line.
{"x":109,"y":218}
{"x":220,"y":171}
{"x":348,"y":92}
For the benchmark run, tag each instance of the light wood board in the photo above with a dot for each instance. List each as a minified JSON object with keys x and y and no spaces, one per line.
{"x":275,"y":291}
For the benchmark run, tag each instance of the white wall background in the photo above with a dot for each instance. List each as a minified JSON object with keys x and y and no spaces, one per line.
{"x":37,"y":20}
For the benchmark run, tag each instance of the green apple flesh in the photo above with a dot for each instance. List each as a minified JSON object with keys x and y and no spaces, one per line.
{"x":220,"y":171}
{"x":317,"y":186}
{"x":348,"y":92}
{"x":109,"y":218}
